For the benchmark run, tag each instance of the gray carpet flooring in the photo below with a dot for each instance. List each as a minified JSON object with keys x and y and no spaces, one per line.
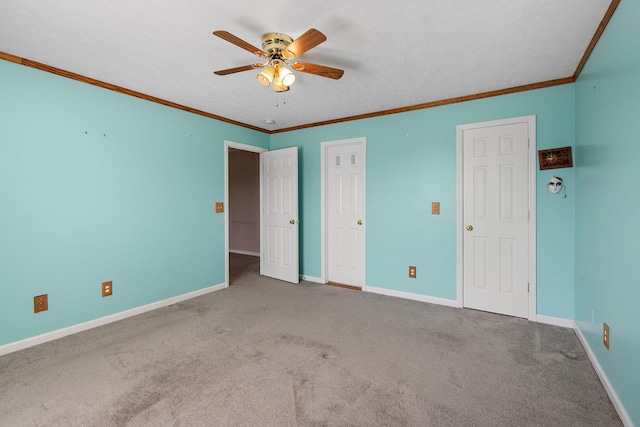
{"x":269,"y":353}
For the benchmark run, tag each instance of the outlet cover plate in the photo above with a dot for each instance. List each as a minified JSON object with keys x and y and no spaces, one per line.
{"x":412,"y":272}
{"x":107,"y":289}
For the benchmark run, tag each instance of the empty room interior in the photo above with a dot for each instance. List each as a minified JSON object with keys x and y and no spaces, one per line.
{"x":319,"y":213}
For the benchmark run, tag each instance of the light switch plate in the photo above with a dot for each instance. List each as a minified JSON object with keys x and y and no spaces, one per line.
{"x":40,"y":303}
{"x":219,"y":207}
{"x":435,"y":208}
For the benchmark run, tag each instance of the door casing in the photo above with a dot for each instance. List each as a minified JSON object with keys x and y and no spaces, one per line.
{"x":531,"y":122}
{"x":239,"y":146}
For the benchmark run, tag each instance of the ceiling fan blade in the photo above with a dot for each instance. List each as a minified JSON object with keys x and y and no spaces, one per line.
{"x":308,"y":40}
{"x":318,"y":70}
{"x":225,"y":35}
{"x":238,"y":69}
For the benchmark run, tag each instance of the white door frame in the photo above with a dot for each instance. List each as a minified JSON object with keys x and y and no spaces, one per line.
{"x":323,"y":202}
{"x":531,"y":121}
{"x":244,"y":147}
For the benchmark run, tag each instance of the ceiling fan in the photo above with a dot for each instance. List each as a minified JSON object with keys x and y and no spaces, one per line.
{"x":279,"y":50}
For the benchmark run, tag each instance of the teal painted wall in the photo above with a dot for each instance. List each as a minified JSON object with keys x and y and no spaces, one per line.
{"x":411,"y":162}
{"x":608,"y":202}
{"x":97,"y":186}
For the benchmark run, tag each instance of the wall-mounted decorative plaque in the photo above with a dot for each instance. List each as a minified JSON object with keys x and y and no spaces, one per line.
{"x":555,"y":158}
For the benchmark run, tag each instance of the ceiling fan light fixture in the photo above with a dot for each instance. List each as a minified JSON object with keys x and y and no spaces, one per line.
{"x":286,"y":76}
{"x":266,"y":76}
{"x":279,"y":87}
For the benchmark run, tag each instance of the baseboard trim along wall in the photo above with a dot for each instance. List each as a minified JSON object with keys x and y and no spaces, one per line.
{"x":311,"y":279}
{"x":411,"y":296}
{"x":615,"y":400}
{"x":53,"y":335}
{"x":556,"y":321}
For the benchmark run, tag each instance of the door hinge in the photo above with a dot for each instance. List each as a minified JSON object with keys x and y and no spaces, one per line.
{"x":529,"y":216}
{"x":528,"y":287}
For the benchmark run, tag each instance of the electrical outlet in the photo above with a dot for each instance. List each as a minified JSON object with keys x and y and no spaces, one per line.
{"x":435,"y":208}
{"x":40,"y":303}
{"x":605,"y":335}
{"x":107,"y":289}
{"x":412,"y":271}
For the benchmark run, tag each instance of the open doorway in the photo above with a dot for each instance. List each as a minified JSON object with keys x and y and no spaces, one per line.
{"x":243,"y":209}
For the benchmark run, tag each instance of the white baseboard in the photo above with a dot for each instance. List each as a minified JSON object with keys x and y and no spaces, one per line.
{"x":53,"y":335}
{"x":240,"y":252}
{"x":556,"y":321}
{"x":311,"y":279}
{"x":615,"y":400}
{"x":411,"y":296}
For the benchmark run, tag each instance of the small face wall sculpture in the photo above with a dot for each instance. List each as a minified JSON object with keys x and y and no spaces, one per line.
{"x":555,"y":185}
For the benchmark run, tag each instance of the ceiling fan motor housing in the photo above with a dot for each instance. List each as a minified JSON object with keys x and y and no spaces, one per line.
{"x":276,"y":44}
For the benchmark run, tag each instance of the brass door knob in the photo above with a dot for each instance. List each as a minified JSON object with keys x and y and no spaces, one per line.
{"x":293,"y":221}
{"x":469,"y":227}
{"x":360,"y":222}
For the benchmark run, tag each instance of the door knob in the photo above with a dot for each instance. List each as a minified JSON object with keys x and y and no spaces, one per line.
{"x":293,"y":221}
{"x":360,"y":222}
{"x":469,"y":227}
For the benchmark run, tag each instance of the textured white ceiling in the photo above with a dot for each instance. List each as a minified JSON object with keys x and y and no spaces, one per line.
{"x":395,"y":54}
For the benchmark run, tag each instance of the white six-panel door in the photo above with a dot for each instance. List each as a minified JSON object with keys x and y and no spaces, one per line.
{"x":345,"y":212}
{"x":279,"y":222}
{"x":495,"y":198}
